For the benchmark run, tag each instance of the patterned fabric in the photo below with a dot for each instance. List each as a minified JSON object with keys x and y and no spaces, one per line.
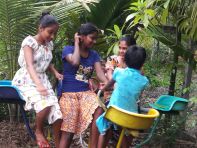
{"x":129,"y":85}
{"x":77,"y":109}
{"x":42,"y":57}
{"x":114,"y":62}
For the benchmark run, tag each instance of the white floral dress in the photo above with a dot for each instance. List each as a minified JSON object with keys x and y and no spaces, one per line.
{"x":42,"y":56}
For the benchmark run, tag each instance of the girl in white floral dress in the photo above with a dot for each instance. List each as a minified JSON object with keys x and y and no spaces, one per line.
{"x":31,"y":80}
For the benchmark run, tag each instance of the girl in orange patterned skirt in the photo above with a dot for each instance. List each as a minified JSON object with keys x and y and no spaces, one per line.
{"x":78,"y":103}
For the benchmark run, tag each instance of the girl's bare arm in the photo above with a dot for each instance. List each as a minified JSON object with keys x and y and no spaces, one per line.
{"x":99,"y":72}
{"x":108,"y":85}
{"x":52,"y":69}
{"x":74,"y":58}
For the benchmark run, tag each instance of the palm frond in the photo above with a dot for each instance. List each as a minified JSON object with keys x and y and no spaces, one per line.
{"x":188,"y":22}
{"x":18,"y":18}
{"x":108,"y":12}
{"x":13,"y":25}
{"x":157,"y":33}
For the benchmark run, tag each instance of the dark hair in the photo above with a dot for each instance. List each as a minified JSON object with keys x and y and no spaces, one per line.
{"x":47,"y":20}
{"x":129,"y":40}
{"x":135,"y":57}
{"x":87,"y":28}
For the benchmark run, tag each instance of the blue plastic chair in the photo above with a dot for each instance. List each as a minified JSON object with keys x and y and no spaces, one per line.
{"x":10,"y":94}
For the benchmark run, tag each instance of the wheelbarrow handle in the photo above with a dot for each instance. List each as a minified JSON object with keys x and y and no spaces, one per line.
{"x":99,"y":93}
{"x":143,"y":109}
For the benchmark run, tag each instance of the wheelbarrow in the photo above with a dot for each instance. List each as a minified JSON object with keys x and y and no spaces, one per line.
{"x":167,"y":103}
{"x":129,"y":121}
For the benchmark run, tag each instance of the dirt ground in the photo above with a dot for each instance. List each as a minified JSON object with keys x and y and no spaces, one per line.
{"x":16,"y":136}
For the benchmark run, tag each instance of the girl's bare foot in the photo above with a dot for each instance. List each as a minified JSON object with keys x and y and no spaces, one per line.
{"x":41,"y":141}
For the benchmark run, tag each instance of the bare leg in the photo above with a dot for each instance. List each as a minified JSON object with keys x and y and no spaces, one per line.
{"x":57,"y":132}
{"x":94,"y":133}
{"x":66,"y":139}
{"x":104,"y":139}
{"x":40,"y":117}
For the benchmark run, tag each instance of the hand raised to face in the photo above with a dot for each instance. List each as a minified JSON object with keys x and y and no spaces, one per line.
{"x":77,"y":38}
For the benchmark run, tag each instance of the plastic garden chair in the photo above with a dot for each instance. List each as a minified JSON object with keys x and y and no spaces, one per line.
{"x":10,"y":94}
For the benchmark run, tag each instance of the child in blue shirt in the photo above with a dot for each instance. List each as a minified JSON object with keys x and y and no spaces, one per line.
{"x":129,"y":85}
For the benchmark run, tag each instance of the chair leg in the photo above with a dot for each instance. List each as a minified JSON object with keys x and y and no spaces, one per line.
{"x":31,"y":133}
{"x":120,"y":138}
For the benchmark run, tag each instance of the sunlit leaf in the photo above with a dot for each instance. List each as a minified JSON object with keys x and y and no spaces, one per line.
{"x":150,"y":12}
{"x":115,"y":48}
{"x":131,"y":16}
{"x":117,"y":31}
{"x":166,"y":4}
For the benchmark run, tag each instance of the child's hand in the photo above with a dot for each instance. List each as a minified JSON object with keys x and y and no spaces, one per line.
{"x":42,"y":90}
{"x":59,"y":76}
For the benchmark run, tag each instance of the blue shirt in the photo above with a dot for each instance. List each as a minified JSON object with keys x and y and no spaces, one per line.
{"x":128,"y":87}
{"x":76,"y":77}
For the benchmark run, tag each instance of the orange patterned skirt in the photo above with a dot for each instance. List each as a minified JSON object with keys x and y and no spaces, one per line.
{"x":77,"y":109}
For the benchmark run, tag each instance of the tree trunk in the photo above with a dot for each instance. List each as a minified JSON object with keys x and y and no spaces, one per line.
{"x":173,"y":76}
{"x":155,"y":49}
{"x":171,"y":90}
{"x":187,"y":81}
{"x":188,"y":73}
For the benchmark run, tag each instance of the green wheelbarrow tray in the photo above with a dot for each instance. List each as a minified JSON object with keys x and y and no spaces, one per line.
{"x":170,"y":103}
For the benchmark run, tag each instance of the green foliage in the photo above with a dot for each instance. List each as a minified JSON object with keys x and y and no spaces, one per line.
{"x":18,"y":18}
{"x":108,"y":12}
{"x":184,"y":11}
{"x":64,"y":9}
{"x":142,"y":13}
{"x":144,"y":40}
{"x":14,"y":26}
{"x":158,"y":77}
{"x":169,"y":129}
{"x":168,"y":40}
{"x":108,"y":15}
{"x":193,"y":99}
{"x":113,"y":38}
{"x":154,"y":13}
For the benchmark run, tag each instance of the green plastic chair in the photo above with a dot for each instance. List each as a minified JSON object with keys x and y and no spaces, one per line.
{"x":168,"y":103}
